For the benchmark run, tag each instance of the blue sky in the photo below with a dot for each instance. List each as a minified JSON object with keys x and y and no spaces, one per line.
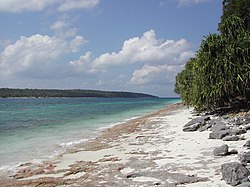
{"x":132,"y":45}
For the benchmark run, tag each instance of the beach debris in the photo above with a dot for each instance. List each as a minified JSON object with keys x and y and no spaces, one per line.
{"x":221,"y":151}
{"x":234,"y":173}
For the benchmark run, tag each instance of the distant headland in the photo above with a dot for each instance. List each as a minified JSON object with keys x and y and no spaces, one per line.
{"x":47,"y":93}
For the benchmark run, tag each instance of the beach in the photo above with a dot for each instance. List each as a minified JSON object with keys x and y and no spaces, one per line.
{"x":151,"y":150}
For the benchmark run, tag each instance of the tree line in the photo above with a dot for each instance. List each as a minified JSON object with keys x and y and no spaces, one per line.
{"x":8,"y":93}
{"x":219,"y":74}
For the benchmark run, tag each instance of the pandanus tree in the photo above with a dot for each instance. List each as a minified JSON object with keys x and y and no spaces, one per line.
{"x":219,"y":75}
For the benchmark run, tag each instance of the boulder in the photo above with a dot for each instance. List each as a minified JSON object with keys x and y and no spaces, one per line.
{"x":223,"y":133}
{"x":247,"y":144}
{"x":247,"y":184}
{"x":233,"y":152}
{"x":245,"y":157}
{"x":219,"y":134}
{"x":221,"y":151}
{"x":219,"y":126}
{"x":234,"y":173}
{"x":238,"y":131}
{"x":195,"y":124}
{"x":231,"y":138}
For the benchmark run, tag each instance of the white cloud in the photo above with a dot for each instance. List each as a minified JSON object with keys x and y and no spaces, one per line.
{"x":189,"y":2}
{"x":27,"y":5}
{"x":145,"y":61}
{"x":83,"y":63}
{"x":32,"y":55}
{"x":38,"y":5}
{"x":146,"y":48}
{"x":76,"y":42}
{"x":77,"y":4}
{"x":153,"y":74}
{"x":59,"y":25}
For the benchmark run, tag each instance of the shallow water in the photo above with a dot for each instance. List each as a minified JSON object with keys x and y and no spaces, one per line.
{"x":33,"y":129}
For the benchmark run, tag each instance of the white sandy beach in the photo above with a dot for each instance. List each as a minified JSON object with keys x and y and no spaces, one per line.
{"x":149,"y":151}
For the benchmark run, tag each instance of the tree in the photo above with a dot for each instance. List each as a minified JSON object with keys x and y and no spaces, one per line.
{"x":239,"y":8}
{"x":219,"y":75}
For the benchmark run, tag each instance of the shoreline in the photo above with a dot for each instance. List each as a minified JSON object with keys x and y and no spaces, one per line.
{"x":149,"y":150}
{"x":82,"y":129}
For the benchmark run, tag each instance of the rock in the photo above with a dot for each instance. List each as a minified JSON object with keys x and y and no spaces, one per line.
{"x":223,"y":133}
{"x":245,"y":157}
{"x":231,"y":138}
{"x":233,"y":152}
{"x":195,"y":124}
{"x":238,"y":131}
{"x":221,"y":151}
{"x":247,"y":184}
{"x":234,"y":173}
{"x":219,"y":134}
{"x":247,"y":144}
{"x":219,"y":126}
{"x":247,"y":127}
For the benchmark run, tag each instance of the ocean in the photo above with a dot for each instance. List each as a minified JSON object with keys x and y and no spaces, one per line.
{"x":36,"y":129}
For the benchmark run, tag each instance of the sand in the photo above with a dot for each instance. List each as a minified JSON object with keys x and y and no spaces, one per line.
{"x":148,"y":151}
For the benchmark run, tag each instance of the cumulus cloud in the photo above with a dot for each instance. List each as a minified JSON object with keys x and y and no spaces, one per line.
{"x":148,"y":60}
{"x":29,"y":55}
{"x":83,"y":63}
{"x":153,"y":74}
{"x":146,"y":48}
{"x":38,"y":5}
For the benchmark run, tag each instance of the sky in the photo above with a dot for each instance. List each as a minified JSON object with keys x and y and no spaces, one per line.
{"x":118,"y":45}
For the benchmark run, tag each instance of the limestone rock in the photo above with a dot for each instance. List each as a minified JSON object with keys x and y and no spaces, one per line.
{"x":247,"y":144}
{"x":221,"y":151}
{"x":245,"y":157}
{"x":195,"y":124}
{"x":234,"y":173}
{"x":231,"y":138}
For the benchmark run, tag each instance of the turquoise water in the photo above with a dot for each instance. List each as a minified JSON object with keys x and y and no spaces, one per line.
{"x":33,"y":129}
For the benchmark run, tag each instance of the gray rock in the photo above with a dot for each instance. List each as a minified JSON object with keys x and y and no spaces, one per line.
{"x":247,"y":144}
{"x":223,"y":133}
{"x":247,"y":184}
{"x":234,"y":173}
{"x":195,"y":124}
{"x":219,"y":126}
{"x":231,"y":138}
{"x":238,"y":131}
{"x":219,"y":134}
{"x":247,"y":127}
{"x":245,"y":157}
{"x":221,"y":151}
{"x":233,"y":152}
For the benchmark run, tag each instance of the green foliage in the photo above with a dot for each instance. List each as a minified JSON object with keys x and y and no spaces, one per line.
{"x":7,"y":92}
{"x":219,"y":75}
{"x":239,"y":8}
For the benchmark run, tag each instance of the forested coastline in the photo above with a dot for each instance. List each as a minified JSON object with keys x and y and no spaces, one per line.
{"x":219,"y":75}
{"x":37,"y":93}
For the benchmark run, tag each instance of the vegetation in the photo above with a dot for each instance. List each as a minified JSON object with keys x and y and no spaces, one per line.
{"x":7,"y":93}
{"x":219,"y":75}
